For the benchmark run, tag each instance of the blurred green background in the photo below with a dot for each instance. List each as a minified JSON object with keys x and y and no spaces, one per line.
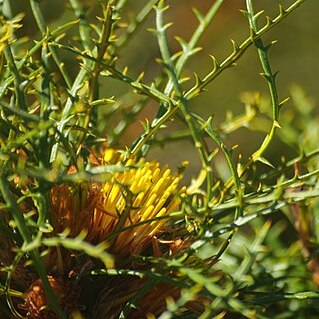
{"x":295,"y":56}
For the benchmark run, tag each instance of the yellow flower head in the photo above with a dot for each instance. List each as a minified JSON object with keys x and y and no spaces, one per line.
{"x":137,"y":203}
{"x":128,"y":210}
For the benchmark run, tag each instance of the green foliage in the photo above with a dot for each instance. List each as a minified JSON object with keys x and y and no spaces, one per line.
{"x":246,"y":233}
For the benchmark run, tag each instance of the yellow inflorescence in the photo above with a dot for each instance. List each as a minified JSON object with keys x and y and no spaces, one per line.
{"x":128,"y":210}
{"x":139,"y":198}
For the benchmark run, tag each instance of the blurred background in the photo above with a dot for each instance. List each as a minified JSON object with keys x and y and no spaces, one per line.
{"x":295,"y":56}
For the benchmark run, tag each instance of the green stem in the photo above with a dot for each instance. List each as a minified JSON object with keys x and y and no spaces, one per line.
{"x":5,"y":8}
{"x":239,"y":51}
{"x":107,"y":24}
{"x":183,"y":103}
{"x":21,"y":103}
{"x":120,"y":4}
{"x":236,"y":178}
{"x":270,"y":78}
{"x":84,"y":28}
{"x":202,"y":27}
{"x":135,"y":25}
{"x":163,"y":109}
{"x":35,"y":6}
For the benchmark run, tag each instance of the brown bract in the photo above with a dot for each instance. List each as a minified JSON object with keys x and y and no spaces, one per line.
{"x":36,"y":303}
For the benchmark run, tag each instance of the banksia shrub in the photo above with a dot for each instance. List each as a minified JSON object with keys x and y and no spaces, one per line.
{"x":96,"y":222}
